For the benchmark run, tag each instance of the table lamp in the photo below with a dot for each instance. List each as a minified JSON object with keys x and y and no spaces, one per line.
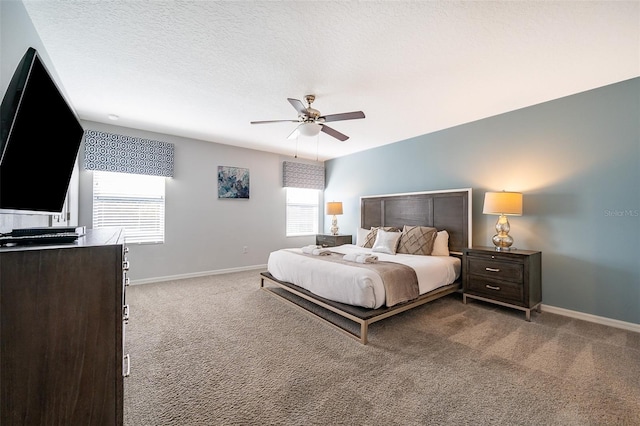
{"x":503,"y":204}
{"x":334,"y":208}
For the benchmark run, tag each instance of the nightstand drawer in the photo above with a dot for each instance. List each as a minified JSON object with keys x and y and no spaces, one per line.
{"x":498,"y":290}
{"x":324,"y":240}
{"x":328,"y":240}
{"x":494,"y":269}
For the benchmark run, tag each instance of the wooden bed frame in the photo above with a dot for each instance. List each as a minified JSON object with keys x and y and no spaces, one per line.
{"x":449,"y":210}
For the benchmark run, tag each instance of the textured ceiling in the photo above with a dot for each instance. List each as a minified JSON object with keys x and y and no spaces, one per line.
{"x":205,"y":69}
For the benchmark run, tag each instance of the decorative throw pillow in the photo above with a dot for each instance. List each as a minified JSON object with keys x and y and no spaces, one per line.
{"x":361,"y":238}
{"x":371,"y":237}
{"x":417,"y":240}
{"x":386,"y":241}
{"x":441,"y":244}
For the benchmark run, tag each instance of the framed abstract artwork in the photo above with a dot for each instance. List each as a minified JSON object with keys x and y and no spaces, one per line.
{"x":233,"y":182}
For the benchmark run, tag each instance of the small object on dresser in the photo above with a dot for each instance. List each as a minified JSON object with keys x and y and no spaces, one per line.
{"x":511,"y":279}
{"x":330,"y":240}
{"x":42,"y":236}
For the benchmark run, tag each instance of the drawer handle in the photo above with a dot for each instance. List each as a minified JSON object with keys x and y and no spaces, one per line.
{"x":491,"y":287}
{"x":127,"y":370}
{"x":492,"y":269}
{"x":125,"y":314}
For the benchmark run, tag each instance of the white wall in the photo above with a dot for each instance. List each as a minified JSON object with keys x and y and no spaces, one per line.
{"x":204,"y":234}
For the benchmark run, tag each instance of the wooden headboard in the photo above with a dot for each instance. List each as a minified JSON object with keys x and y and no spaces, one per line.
{"x":448,"y":210}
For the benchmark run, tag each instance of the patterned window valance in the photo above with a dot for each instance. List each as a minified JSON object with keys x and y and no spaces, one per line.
{"x":125,"y":154}
{"x":303,"y":175}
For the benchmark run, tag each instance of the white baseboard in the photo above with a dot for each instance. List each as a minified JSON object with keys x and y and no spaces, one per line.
{"x":592,"y":318}
{"x":197,"y":274}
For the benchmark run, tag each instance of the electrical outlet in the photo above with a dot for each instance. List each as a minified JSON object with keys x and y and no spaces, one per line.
{"x":245,"y":249}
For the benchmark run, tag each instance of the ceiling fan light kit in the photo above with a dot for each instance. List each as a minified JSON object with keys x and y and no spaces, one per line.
{"x":309,"y":129}
{"x":311,"y":122}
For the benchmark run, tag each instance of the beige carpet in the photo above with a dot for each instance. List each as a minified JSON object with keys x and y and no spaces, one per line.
{"x":220,"y":351}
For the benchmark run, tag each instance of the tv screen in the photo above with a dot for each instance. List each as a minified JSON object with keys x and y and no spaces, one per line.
{"x":39,"y":143}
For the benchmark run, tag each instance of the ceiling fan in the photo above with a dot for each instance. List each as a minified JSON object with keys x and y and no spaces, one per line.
{"x":311,"y":122}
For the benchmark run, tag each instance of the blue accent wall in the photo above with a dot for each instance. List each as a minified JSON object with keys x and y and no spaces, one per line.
{"x":575,"y":159}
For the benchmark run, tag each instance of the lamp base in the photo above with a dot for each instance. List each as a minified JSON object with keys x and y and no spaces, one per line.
{"x":334,"y":225}
{"x":502,"y":240}
{"x":499,"y":246}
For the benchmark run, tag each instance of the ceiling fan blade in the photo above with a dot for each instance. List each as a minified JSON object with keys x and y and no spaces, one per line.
{"x":332,"y":132}
{"x":298,"y":105}
{"x":344,"y":116}
{"x":294,"y":134}
{"x":274,"y":121}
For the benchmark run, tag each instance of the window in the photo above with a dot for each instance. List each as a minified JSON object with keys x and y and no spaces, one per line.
{"x":134,"y":202}
{"x":302,"y":211}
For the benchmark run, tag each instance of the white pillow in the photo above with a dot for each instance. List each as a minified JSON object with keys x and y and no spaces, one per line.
{"x":441,"y":244}
{"x":361,"y":238}
{"x":386,"y":242}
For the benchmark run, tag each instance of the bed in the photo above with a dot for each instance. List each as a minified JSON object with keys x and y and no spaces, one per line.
{"x":367,"y":281}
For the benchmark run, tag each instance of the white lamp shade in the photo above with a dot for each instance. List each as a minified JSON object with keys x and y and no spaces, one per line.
{"x":334,"y":207}
{"x":309,"y":129}
{"x":507,"y":203}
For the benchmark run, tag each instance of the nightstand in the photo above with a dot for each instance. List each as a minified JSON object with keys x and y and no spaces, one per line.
{"x":509,"y":278}
{"x":330,"y":240}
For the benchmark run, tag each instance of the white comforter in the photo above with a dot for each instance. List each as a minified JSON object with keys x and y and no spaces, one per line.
{"x":355,"y":285}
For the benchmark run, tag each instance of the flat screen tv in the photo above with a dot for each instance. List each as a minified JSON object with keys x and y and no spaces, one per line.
{"x":40,"y":135}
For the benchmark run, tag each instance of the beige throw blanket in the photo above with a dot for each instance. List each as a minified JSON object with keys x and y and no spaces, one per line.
{"x":400,"y":281}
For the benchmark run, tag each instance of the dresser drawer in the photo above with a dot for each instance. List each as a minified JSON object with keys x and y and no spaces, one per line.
{"x":504,"y":291}
{"x":494,"y":269}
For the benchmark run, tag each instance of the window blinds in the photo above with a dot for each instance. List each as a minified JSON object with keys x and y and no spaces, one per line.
{"x":302,"y":211}
{"x":134,"y":202}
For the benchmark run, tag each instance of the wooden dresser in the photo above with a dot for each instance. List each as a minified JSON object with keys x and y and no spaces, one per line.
{"x":509,"y":278}
{"x":63,"y":311}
